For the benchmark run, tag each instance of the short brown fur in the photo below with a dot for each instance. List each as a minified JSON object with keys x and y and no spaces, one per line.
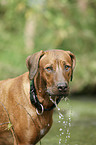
{"x":48,"y":71}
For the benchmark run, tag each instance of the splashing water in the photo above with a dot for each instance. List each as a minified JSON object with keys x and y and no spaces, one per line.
{"x":64,"y":122}
{"x":53,"y":101}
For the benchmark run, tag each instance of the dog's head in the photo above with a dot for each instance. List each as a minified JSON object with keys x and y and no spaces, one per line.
{"x":54,"y":68}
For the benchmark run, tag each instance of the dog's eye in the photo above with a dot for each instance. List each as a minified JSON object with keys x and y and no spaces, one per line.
{"x":50,"y":68}
{"x":67,"y":67}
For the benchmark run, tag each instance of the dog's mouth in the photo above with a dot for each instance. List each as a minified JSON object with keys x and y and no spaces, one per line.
{"x":56,"y":95}
{"x":62,"y":94}
{"x":55,"y":98}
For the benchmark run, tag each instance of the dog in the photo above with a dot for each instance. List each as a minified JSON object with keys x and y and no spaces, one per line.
{"x":27,"y":101}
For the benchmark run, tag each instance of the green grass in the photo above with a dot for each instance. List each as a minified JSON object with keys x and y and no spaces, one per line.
{"x":83,"y":124}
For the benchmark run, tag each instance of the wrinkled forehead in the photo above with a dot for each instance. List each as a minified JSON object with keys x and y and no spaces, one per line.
{"x":53,"y":56}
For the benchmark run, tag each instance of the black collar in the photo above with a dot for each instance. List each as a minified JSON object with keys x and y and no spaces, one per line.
{"x":34,"y":100}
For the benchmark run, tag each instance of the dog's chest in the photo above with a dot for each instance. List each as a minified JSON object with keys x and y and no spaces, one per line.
{"x":44,"y":130}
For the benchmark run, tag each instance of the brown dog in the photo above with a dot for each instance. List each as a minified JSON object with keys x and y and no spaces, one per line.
{"x":26,"y":110}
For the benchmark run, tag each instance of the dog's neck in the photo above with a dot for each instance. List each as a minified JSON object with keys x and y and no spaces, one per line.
{"x":35,"y":101}
{"x":41,"y":91}
{"x":39,"y":98}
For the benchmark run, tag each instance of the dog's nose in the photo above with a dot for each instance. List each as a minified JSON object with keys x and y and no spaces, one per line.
{"x":62,"y":87}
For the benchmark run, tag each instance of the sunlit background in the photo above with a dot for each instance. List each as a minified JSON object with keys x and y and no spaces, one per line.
{"x":28,"y":26}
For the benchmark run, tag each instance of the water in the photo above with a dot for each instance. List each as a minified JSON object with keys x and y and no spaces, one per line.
{"x":64,"y":121}
{"x":65,"y":124}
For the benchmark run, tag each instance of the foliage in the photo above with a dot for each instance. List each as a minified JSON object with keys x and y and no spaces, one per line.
{"x":64,"y":24}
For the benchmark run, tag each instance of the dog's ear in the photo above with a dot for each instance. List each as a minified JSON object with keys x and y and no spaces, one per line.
{"x":32,"y":63}
{"x":73,"y":59}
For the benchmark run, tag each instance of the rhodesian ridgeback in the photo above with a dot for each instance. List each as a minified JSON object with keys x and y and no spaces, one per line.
{"x":26,"y":108}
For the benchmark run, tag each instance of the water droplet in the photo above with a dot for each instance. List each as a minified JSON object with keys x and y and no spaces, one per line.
{"x":69,"y":124}
{"x":58,"y":109}
{"x":59,"y":121}
{"x":60,"y":129}
{"x":60,"y":141}
{"x":53,"y":101}
{"x":59,"y":117}
{"x":64,"y":122}
{"x":66,"y":136}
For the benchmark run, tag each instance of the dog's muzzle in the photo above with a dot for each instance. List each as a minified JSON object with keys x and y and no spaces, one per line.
{"x":62,"y":87}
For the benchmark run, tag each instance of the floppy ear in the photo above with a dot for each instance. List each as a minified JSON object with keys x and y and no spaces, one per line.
{"x":32,"y":63}
{"x":73,"y":59}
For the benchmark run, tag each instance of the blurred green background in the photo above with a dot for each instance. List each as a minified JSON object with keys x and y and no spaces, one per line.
{"x":28,"y":26}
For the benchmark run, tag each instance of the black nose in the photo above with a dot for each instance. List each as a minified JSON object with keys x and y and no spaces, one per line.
{"x":62,"y":87}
